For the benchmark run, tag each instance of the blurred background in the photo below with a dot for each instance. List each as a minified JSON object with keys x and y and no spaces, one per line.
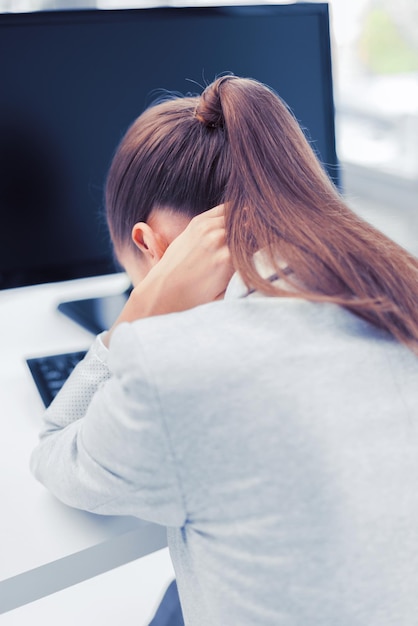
{"x":375,"y":66}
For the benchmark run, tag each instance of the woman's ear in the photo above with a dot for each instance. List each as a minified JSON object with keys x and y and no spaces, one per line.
{"x":151,"y":243}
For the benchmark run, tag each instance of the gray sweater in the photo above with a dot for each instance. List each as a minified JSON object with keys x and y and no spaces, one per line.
{"x":275,"y":438}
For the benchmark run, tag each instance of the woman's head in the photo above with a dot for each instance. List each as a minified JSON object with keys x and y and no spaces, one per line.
{"x":239,"y":144}
{"x":182,"y":153}
{"x":167,"y":160}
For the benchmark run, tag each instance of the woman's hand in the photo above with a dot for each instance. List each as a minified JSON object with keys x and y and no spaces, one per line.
{"x":195,"y":269}
{"x":196,"y":266}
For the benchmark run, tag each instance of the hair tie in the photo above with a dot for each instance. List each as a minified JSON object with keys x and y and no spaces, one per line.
{"x":209,"y":108}
{"x":208,"y":118}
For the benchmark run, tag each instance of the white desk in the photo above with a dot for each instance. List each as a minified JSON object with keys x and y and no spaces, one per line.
{"x":46,"y":546}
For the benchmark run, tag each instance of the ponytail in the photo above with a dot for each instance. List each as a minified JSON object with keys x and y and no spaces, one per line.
{"x":280,"y":200}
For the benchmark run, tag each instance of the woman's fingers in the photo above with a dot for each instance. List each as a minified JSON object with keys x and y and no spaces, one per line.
{"x":196,"y":265}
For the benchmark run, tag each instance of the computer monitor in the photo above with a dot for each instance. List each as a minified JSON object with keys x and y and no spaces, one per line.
{"x":71,"y":82}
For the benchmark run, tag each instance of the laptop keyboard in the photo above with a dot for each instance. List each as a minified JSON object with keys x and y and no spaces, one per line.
{"x":51,"y":372}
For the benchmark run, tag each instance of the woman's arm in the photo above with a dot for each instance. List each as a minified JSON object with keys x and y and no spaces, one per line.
{"x":103,"y":447}
{"x":117,"y":459}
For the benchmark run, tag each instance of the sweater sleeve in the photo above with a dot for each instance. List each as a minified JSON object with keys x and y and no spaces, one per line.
{"x":104,"y":447}
{"x":76,"y":394}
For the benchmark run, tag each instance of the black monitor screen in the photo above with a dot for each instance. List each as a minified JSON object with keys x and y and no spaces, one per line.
{"x":71,"y":82}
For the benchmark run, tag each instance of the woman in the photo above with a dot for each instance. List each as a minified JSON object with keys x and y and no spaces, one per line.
{"x":267,"y":418}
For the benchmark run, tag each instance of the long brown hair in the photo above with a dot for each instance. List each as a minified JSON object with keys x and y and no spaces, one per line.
{"x":239,"y":143}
